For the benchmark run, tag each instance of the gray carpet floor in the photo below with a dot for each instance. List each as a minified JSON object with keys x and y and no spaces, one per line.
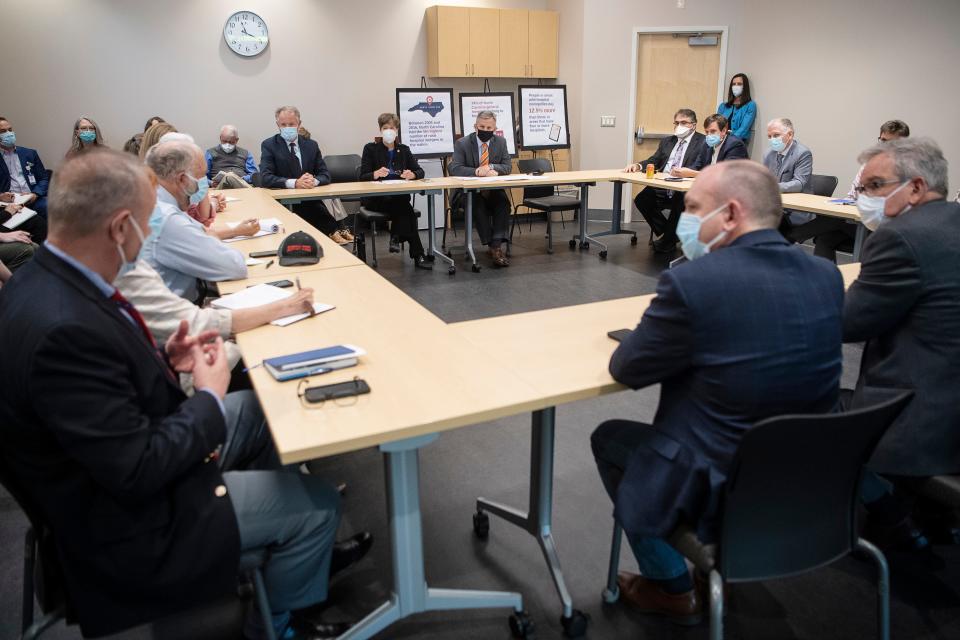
{"x":492,"y":460}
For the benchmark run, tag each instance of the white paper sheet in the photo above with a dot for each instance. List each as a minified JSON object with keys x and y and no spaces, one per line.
{"x":268,"y":226}
{"x":19,"y":218}
{"x":287,"y":320}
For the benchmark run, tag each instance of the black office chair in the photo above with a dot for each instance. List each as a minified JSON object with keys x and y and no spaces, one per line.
{"x":823,"y":185}
{"x":543,"y":199}
{"x":789,"y":504}
{"x":43,"y":575}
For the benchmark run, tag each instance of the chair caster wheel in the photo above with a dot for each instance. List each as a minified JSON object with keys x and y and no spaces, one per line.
{"x":451,"y":271}
{"x":584,"y":246}
{"x":481,"y":525}
{"x":633,"y":240}
{"x":611,"y":595}
{"x":475,"y":268}
{"x":576,"y":625}
{"x":573,"y":244}
{"x":603,"y":254}
{"x":550,"y":251}
{"x":521,"y":626}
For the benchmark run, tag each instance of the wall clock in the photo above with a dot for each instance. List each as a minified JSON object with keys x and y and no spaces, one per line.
{"x":246,"y":33}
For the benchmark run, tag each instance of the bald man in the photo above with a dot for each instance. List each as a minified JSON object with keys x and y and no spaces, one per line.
{"x":723,"y":345}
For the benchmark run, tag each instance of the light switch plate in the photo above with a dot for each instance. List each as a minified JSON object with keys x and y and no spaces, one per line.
{"x":608,"y":121}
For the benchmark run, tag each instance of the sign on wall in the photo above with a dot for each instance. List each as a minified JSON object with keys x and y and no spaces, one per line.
{"x":499,"y":103}
{"x":543,"y":117}
{"x":426,"y":121}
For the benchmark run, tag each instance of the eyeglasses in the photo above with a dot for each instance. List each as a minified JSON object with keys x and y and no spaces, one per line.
{"x":871,"y":187}
{"x":685,"y":123}
{"x":345,"y":398}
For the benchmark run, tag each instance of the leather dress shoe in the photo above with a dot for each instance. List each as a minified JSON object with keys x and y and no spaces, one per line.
{"x":347,"y":235}
{"x":302,"y":628}
{"x":394,"y":244}
{"x":647,"y":596}
{"x":350,"y":551}
{"x":500,"y":258}
{"x":664,"y":246}
{"x":421,"y":262}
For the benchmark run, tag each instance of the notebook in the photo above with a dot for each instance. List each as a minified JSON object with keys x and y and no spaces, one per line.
{"x":19,"y":218}
{"x":317,"y":361}
{"x":268,"y":226}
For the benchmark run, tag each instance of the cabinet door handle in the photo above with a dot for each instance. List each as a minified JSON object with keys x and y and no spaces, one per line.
{"x":531,"y":70}
{"x":466,"y":68}
{"x":473,"y":69}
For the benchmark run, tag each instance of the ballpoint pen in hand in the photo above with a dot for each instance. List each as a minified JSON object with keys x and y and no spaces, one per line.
{"x":313,"y":311}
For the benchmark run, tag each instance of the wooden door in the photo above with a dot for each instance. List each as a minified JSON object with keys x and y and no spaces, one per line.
{"x":484,"y":42}
{"x":671,"y":75}
{"x":449,"y":36}
{"x":544,"y":44}
{"x":514,"y":43}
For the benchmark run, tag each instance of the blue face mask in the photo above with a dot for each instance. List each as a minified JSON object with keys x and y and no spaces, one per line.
{"x":203,"y":186}
{"x":288,"y":133}
{"x":713,"y":140}
{"x":8,"y":139}
{"x":87,"y":136}
{"x":125,"y":265}
{"x":688,"y":230}
{"x":777,"y":144}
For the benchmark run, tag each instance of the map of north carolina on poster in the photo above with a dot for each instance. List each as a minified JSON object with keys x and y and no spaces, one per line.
{"x":426,"y":120}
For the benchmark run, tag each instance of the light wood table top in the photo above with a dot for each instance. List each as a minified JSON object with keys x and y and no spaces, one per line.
{"x":370,"y":188}
{"x":850,"y":273}
{"x":658,"y":181}
{"x":257,"y":203}
{"x":820,"y":205}
{"x":548,"y":179}
{"x":423,"y":377}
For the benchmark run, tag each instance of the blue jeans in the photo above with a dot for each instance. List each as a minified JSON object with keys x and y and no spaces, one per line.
{"x":613,"y":442}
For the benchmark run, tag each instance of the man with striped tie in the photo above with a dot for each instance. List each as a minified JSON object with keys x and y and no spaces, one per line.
{"x":484,"y":154}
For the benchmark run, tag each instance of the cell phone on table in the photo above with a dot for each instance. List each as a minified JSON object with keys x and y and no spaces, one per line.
{"x":263,"y":254}
{"x":619,"y":335}
{"x":673,"y":179}
{"x":336,"y":391}
{"x":283,"y":284}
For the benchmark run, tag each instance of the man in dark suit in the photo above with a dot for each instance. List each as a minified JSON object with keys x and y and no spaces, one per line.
{"x":904,"y":305}
{"x":290,"y":161}
{"x":719,"y":145}
{"x":133,"y":477}
{"x":483,"y":154}
{"x":722,"y":343}
{"x":682,"y":149}
{"x":22,"y":172}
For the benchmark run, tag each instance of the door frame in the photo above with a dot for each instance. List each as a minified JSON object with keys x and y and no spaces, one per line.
{"x":634,"y":47}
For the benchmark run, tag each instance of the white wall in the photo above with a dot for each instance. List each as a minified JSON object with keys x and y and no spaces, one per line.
{"x":122,"y":61}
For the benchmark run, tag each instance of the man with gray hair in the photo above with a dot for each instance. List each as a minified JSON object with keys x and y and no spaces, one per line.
{"x":179,"y":249}
{"x":904,"y":304}
{"x":791,"y":164}
{"x":230,"y":166}
{"x":150,"y":495}
{"x":484,"y":154}
{"x":722,"y":343}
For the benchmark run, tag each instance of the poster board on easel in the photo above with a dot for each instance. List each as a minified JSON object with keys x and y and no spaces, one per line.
{"x":544,"y":123}
{"x":499,"y":103}
{"x":426,"y":121}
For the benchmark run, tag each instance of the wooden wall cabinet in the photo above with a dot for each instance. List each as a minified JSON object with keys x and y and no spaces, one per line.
{"x":468,"y":42}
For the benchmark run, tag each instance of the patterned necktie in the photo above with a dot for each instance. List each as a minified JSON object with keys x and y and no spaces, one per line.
{"x":131,"y":310}
{"x":677,"y":155}
{"x":484,"y":156}
{"x":295,"y":159}
{"x":779,"y":163}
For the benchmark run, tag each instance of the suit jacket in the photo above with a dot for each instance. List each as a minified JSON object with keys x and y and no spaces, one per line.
{"x":732,"y":148}
{"x":466,"y":159}
{"x":375,"y":156}
{"x":904,"y":304}
{"x":277,"y":164}
{"x":794,"y":174}
{"x":111,"y":452}
{"x":661,"y":156}
{"x":729,"y":349}
{"x":32,"y":166}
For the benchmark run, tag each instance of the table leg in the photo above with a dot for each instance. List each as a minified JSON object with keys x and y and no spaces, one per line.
{"x":468,"y":229}
{"x":615,"y":216}
{"x":432,"y":252}
{"x":411,"y":594}
{"x":538,"y":520}
{"x":858,"y":241}
{"x":585,"y":238}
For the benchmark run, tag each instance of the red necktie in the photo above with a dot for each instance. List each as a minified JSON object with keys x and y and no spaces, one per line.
{"x":131,"y":310}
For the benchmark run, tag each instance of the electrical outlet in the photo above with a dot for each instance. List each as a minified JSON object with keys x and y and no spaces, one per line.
{"x":608,"y":121}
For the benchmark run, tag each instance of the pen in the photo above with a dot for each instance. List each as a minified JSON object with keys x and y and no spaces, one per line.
{"x":312,"y":310}
{"x":268,"y":264}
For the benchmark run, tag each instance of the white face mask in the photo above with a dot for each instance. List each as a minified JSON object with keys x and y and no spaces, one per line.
{"x":682,"y":131}
{"x":872,"y":208}
{"x":736,"y":90}
{"x":227,"y":147}
{"x":127,"y":266}
{"x":389,"y":135}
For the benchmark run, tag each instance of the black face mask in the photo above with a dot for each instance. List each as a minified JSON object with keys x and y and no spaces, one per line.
{"x":485,"y":136}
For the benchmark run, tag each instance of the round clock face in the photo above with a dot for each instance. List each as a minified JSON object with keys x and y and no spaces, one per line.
{"x":246,"y":33}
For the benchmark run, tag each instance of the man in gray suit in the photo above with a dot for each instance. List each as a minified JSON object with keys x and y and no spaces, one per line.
{"x":791,"y":164}
{"x":484,"y":154}
{"x":904,"y":305}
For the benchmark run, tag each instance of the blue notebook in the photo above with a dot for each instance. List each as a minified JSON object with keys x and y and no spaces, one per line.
{"x":307,"y":363}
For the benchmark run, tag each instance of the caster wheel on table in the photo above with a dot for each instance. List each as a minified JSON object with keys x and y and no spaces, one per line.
{"x":475,"y":268}
{"x":610,"y":596}
{"x":576,"y":625}
{"x":584,"y":246}
{"x":430,"y":258}
{"x":550,"y":251}
{"x":573,"y":244}
{"x":633,"y":240}
{"x":603,"y":254}
{"x":451,"y":271}
{"x":521,"y":626}
{"x":481,"y":525}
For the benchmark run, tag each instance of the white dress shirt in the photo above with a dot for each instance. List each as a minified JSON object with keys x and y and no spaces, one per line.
{"x":18,"y":181}
{"x":291,"y":183}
